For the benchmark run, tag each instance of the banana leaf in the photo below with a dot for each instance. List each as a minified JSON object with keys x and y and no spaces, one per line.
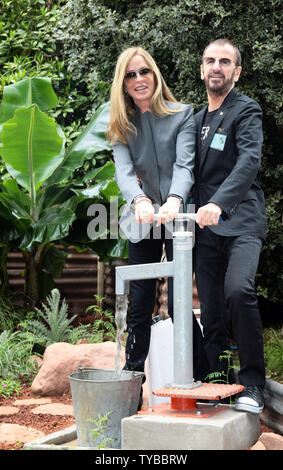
{"x":54,"y":224}
{"x":91,"y":140}
{"x":31,"y":147}
{"x":36,"y":90}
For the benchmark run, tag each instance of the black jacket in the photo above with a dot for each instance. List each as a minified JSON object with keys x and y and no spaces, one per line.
{"x":227,"y":167}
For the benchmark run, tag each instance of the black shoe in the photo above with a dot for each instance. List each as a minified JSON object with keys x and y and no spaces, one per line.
{"x":250,"y":399}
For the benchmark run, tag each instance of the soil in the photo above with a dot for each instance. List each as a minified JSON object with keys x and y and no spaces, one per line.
{"x":44,"y":422}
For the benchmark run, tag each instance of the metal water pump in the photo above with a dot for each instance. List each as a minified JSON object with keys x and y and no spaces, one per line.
{"x":184,"y":391}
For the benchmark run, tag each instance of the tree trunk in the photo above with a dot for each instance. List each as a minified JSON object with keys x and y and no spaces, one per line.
{"x":100,"y":278}
{"x":32,"y":295}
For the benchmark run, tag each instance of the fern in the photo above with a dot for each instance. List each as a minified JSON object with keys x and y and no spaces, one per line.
{"x":57,"y":326}
{"x":103,"y":328}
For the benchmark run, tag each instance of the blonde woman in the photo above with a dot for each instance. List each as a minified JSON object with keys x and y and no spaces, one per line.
{"x":153,"y":140}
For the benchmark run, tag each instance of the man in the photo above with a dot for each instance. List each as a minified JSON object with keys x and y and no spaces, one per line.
{"x":231,"y":221}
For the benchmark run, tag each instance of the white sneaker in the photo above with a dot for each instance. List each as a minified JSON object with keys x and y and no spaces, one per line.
{"x":250,"y":399}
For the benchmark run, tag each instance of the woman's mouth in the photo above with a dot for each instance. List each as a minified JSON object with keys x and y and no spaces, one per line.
{"x":140,"y":88}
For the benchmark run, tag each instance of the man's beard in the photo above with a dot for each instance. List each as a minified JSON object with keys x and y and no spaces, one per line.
{"x":221,"y":89}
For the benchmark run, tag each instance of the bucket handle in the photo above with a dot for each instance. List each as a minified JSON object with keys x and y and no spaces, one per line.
{"x":81,"y":368}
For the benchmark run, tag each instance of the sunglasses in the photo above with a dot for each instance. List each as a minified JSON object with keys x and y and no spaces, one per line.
{"x":222,"y":62}
{"x":141,"y":72}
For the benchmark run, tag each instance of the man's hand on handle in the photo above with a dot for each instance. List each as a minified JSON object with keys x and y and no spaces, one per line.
{"x":208,"y":215}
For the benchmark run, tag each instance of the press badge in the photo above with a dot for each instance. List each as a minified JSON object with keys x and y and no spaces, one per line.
{"x":218,"y":141}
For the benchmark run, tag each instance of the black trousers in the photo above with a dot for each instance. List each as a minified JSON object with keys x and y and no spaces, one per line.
{"x":225,"y":269}
{"x":143,"y":294}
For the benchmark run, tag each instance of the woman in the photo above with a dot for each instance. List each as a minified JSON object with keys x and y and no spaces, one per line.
{"x":153,"y":140}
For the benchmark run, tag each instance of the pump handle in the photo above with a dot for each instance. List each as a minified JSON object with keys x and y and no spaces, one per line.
{"x":181,"y":216}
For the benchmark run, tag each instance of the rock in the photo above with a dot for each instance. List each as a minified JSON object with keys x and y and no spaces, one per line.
{"x":36,"y":360}
{"x":258,"y":446}
{"x":32,"y":401}
{"x":8,"y":410}
{"x":62,"y":359}
{"x":11,"y":433}
{"x":57,"y":409}
{"x":271,"y":441}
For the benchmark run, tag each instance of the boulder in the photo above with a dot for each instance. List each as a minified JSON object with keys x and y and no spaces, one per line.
{"x":258,"y":446}
{"x":62,"y":359}
{"x":271,"y":441}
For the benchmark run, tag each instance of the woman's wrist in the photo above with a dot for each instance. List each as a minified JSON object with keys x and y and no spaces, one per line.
{"x":176,"y":197}
{"x":141,"y":197}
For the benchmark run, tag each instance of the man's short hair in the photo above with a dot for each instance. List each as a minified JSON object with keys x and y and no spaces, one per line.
{"x":222,"y":42}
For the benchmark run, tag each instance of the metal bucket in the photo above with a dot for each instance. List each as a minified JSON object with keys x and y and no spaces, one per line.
{"x":101,"y":399}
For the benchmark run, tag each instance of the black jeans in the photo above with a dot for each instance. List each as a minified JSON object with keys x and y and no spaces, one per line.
{"x":225,"y":269}
{"x":143,"y":294}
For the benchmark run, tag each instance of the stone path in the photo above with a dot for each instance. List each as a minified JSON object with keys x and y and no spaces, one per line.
{"x":11,"y":433}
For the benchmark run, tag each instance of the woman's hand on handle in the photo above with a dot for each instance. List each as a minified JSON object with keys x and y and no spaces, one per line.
{"x":144,"y":210}
{"x":169,"y":210}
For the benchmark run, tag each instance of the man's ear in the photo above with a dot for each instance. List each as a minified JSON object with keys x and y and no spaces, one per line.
{"x":201,"y":72}
{"x":237,"y":73}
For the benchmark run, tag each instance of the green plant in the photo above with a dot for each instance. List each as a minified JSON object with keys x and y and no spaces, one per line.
{"x":103,"y":327}
{"x":80,"y":332}
{"x":28,"y":49}
{"x":9,"y":387}
{"x":222,"y":376}
{"x":40,"y":202}
{"x":15,"y":352}
{"x":97,"y":433}
{"x":273,"y":353}
{"x":10,"y":316}
{"x":217,"y":376}
{"x":55,"y":327}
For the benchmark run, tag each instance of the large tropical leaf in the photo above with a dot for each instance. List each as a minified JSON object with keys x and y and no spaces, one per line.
{"x":36,"y":90}
{"x":91,"y":140}
{"x":31,"y":147}
{"x":54,"y":224}
{"x":14,"y":212}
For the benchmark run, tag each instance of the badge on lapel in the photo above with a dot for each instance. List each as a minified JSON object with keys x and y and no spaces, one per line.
{"x":218,"y":141}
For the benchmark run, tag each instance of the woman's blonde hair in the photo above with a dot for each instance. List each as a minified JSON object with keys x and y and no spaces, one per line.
{"x":122,"y":110}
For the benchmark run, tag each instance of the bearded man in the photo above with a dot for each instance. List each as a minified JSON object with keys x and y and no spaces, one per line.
{"x":231,"y":221}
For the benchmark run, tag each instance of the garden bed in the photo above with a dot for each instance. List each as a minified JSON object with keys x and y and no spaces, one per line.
{"x":46,"y":423}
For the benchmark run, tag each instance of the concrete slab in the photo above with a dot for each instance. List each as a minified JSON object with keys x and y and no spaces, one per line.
{"x":227,"y":430}
{"x":66,"y":439}
{"x":57,"y":440}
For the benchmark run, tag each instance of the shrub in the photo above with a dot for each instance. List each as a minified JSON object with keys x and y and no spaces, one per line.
{"x":15,"y":352}
{"x":273,"y":353}
{"x":54,"y":325}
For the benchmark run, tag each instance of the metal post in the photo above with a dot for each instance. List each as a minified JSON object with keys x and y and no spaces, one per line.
{"x":183,"y":326}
